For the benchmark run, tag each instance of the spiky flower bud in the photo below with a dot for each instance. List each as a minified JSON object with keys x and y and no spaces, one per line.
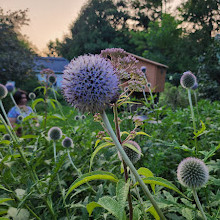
{"x":6,"y":137}
{"x":143,"y":69}
{"x":67,"y":142}
{"x":195,"y":86}
{"x":132,"y":155}
{"x":20,"y":118}
{"x":52,"y":78}
{"x":89,"y":83}
{"x":188,"y":80}
{"x":3,"y":91}
{"x":149,"y":85}
{"x":77,"y":118}
{"x":55,"y":133}
{"x":10,"y":87}
{"x":32,"y":96}
{"x":83,"y":117}
{"x":192,"y":172}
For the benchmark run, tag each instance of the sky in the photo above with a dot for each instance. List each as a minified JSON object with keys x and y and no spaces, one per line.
{"x":49,"y":19}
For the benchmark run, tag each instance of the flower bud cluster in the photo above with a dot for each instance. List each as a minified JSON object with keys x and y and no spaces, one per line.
{"x":126,"y":67}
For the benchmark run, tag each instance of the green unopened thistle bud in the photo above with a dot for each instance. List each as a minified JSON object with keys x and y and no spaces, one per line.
{"x":10,"y":87}
{"x":52,"y":78}
{"x":83,"y":117}
{"x":32,"y":96}
{"x":132,"y":155}
{"x":67,"y":142}
{"x":77,"y":118}
{"x":192,"y":172}
{"x":3,"y":91}
{"x":188,"y":80}
{"x":6,"y":137}
{"x":55,"y":133}
{"x":20,"y":118}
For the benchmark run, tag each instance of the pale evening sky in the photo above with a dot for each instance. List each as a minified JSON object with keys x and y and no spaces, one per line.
{"x":49,"y":19}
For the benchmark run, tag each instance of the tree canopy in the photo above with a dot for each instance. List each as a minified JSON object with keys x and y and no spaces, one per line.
{"x":15,"y":53}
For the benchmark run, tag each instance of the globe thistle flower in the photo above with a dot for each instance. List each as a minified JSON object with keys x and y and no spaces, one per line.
{"x":143,"y":69}
{"x":52,"y":78}
{"x":83,"y":117}
{"x":149,"y":85}
{"x":3,"y":91}
{"x":67,"y":142}
{"x":10,"y":87}
{"x":188,"y":80}
{"x":89,"y":83}
{"x":195,"y":86}
{"x":77,"y":117}
{"x":6,"y":137}
{"x":20,"y":118}
{"x":192,"y":172}
{"x":55,"y":133}
{"x":132,"y":155}
{"x":32,"y":96}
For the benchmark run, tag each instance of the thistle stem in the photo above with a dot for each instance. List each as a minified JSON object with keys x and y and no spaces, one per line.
{"x":13,"y":100}
{"x":130,"y":165}
{"x":31,"y":171}
{"x":54,"y":151}
{"x":117,"y":128}
{"x":198,"y":203}
{"x":6,"y":118}
{"x":193,"y":118}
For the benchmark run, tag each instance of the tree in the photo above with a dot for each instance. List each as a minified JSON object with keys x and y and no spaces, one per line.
{"x":15,"y":54}
{"x":142,"y":12}
{"x":99,"y":25}
{"x":203,"y":20}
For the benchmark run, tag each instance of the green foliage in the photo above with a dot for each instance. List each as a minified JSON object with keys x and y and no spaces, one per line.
{"x":16,"y":58}
{"x":99,"y":25}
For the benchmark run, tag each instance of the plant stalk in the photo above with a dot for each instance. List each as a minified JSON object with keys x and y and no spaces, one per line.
{"x":193,"y":118}
{"x":198,"y":203}
{"x":117,"y":128}
{"x":130,"y":165}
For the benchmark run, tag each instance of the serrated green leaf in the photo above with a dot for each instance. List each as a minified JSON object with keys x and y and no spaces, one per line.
{"x":97,"y":142}
{"x":29,"y":136}
{"x":112,"y":206}
{"x":132,"y":148}
{"x":162,"y":182}
{"x":122,"y":192}
{"x":153,"y":212}
{"x":5,"y":200}
{"x":142,"y":133}
{"x":95,"y":175}
{"x":6,"y":142}
{"x":124,"y":132}
{"x":36,"y":101}
{"x":90,"y":207}
{"x":103,"y":145}
{"x":147,"y":173}
{"x":201,"y":131}
{"x":137,"y":213}
{"x":107,"y":138}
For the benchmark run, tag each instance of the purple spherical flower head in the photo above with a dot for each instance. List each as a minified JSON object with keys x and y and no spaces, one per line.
{"x":89,"y":83}
{"x":10,"y":87}
{"x":195,"y":86}
{"x":192,"y":172}
{"x":188,"y":80}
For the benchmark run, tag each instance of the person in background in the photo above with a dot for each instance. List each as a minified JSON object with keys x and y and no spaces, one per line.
{"x":22,"y":109}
